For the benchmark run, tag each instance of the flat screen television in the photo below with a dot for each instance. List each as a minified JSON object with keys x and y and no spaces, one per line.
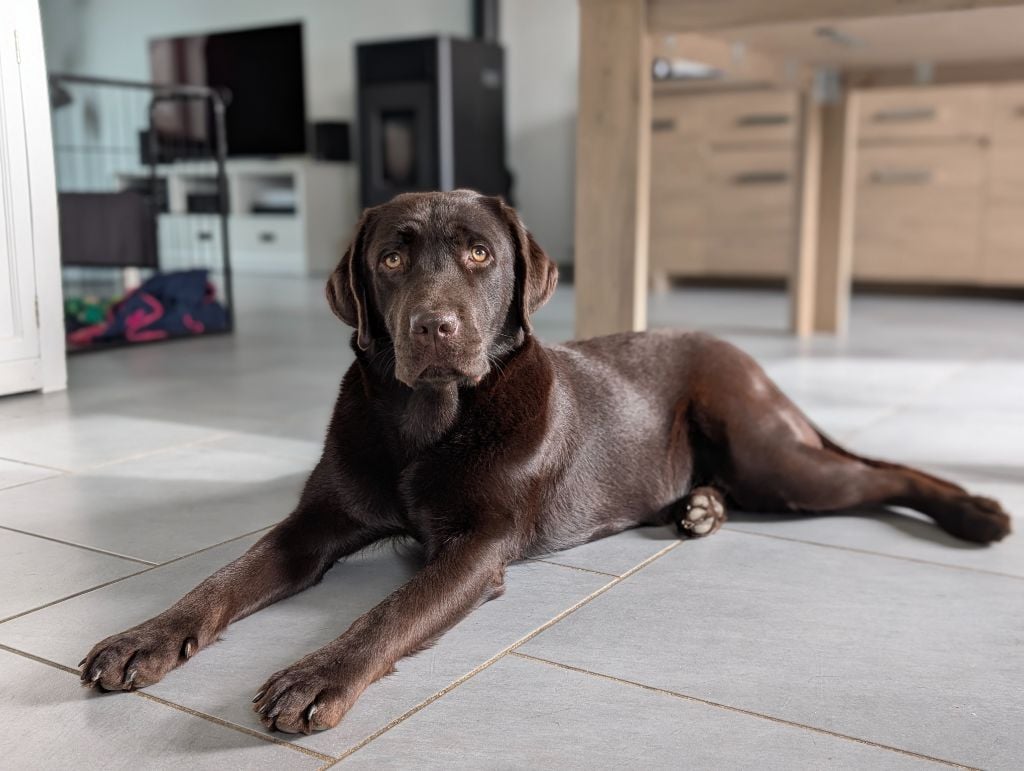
{"x":260,"y":71}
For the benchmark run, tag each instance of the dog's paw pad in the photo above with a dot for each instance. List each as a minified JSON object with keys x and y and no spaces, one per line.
{"x":702,"y":512}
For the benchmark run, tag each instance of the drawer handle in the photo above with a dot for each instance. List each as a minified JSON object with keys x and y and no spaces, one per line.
{"x":761,"y":178}
{"x":663,"y":124}
{"x":901,"y":177}
{"x":267,"y":237}
{"x":204,"y":235}
{"x":757,"y":120}
{"x":1019,"y":112}
{"x":904,"y":114}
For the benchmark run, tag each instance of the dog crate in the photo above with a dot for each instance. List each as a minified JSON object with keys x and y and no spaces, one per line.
{"x":143,"y":200}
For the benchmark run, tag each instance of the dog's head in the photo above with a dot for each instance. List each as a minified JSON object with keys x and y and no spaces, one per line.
{"x":448,"y":279}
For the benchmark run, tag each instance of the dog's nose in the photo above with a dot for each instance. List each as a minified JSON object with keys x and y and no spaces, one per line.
{"x":434,"y":325}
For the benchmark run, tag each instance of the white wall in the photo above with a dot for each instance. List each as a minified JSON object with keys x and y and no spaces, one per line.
{"x":541,"y":39}
{"x":110,"y":37}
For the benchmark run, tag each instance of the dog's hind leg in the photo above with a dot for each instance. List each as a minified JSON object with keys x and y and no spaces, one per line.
{"x":799,"y":477}
{"x":765,"y":455}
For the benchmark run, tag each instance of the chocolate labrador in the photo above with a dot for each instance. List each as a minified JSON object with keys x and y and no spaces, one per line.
{"x":457,"y":428}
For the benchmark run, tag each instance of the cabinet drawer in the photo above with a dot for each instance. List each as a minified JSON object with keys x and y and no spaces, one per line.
{"x":265,"y":232}
{"x":752,"y":190}
{"x":749,"y":255}
{"x":677,"y":116}
{"x":1008,"y":114}
{"x":674,"y":214}
{"x":938,"y":112}
{"x":678,"y":254}
{"x":188,"y":241}
{"x":726,"y":255}
{"x":268,"y":262}
{"x":898,"y":255}
{"x":752,"y":117}
{"x":910,"y":172}
{"x":679,"y":167}
{"x":919,"y":213}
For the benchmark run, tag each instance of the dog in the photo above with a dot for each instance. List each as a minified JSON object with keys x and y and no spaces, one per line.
{"x":456,"y":427}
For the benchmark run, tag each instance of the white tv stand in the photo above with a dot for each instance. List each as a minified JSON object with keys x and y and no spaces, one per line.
{"x":306,"y":241}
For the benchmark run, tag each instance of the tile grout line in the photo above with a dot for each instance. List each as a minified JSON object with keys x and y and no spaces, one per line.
{"x":854,"y":550}
{"x":202,"y":716}
{"x":739,"y":710}
{"x":56,"y":475}
{"x":63,"y":472}
{"x":264,"y":736}
{"x":36,"y":465}
{"x":505,"y":651}
{"x":572,"y":567}
{"x":151,"y":566}
{"x":95,"y":549}
{"x":76,"y":594}
{"x":206,"y":439}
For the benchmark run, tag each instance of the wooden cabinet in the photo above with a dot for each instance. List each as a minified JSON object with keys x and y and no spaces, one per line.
{"x":939,"y":193}
{"x":940,"y":185}
{"x":723,"y":183}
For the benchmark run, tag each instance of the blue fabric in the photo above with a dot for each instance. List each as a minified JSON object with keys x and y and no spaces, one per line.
{"x":183,"y":300}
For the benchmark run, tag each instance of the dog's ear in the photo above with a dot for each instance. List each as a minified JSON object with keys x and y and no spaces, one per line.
{"x":536,"y":274}
{"x":346,"y":289}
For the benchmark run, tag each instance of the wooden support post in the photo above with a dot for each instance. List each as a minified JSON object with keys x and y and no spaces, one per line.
{"x":838,"y":187}
{"x":612,"y":167}
{"x":804,"y":272}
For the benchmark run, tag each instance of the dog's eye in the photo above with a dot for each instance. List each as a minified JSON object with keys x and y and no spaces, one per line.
{"x":392,"y":260}
{"x":479,"y":253}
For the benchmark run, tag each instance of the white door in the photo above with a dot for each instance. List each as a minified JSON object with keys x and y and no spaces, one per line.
{"x":20,"y":361}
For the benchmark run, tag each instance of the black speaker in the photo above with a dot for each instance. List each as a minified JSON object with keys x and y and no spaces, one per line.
{"x":331,"y":141}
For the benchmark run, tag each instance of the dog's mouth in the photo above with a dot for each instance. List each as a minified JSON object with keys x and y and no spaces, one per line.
{"x":441,"y":367}
{"x":443,"y":374}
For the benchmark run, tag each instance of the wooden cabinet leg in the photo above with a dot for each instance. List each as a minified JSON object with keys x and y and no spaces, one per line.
{"x":822,"y":271}
{"x":804,"y":270}
{"x":838,"y":189}
{"x":612,"y":167}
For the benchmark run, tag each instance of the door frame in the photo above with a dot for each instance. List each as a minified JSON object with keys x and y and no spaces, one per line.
{"x":45,"y":227}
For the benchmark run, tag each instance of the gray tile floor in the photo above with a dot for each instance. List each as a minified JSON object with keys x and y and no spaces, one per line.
{"x":867,"y":641}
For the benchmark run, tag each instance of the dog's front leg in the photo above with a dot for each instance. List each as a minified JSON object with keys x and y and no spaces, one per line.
{"x":292,"y":556}
{"x":317,"y":691}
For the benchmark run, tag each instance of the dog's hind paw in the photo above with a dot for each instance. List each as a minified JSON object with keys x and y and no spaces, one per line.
{"x":977,"y":519}
{"x":700,"y":513}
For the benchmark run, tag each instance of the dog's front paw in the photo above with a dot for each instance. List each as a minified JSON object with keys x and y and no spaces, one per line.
{"x":307,"y":696}
{"x":138,"y":657}
{"x":701,"y":512}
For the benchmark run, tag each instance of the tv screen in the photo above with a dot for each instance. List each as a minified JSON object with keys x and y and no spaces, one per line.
{"x":261,"y":74}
